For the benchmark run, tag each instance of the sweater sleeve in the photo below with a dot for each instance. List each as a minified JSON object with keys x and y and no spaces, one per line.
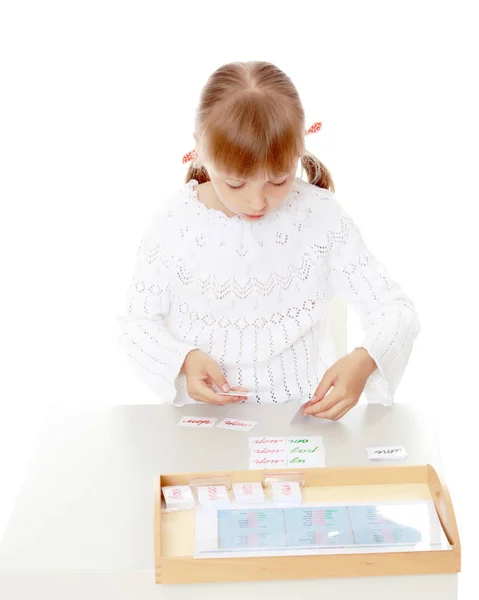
{"x":388,"y":316}
{"x":155,"y":353}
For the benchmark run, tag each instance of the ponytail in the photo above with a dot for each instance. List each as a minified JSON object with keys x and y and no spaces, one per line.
{"x":317,"y":173}
{"x":198,"y":173}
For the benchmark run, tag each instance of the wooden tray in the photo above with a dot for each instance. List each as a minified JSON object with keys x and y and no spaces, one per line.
{"x":174,"y":531}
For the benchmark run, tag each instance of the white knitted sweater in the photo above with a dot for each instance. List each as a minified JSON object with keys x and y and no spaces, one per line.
{"x":253,"y":295}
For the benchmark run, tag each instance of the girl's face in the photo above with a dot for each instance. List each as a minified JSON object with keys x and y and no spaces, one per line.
{"x":251,"y":199}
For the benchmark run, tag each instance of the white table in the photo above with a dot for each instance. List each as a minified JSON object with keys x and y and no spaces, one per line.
{"x":82,"y":523}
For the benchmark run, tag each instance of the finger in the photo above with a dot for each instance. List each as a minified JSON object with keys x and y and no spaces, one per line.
{"x":216,"y":374}
{"x":322,"y":406}
{"x":344,"y":412}
{"x":200,"y":391}
{"x":323,"y":387}
{"x":229,"y":399}
{"x":333,"y":413}
{"x":337,"y":393}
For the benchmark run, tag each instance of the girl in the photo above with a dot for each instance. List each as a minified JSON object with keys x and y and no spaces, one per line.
{"x":234,"y":276}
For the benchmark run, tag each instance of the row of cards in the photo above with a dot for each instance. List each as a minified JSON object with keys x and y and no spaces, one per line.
{"x":286,"y":452}
{"x":179,"y":497}
{"x":229,"y":423}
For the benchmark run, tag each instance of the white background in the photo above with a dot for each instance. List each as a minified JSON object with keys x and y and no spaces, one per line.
{"x":97,"y":109}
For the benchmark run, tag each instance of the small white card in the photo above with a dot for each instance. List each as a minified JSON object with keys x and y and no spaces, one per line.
{"x":213,"y":496}
{"x":178,"y":496}
{"x":305,"y":451}
{"x":261,"y":461}
{"x":288,"y":493}
{"x":237,"y":424}
{"x":268,"y":452}
{"x":237,"y":393}
{"x":307,"y":462}
{"x":248,"y":493}
{"x":305,"y":444}
{"x":300,"y":419}
{"x":197,"y":421}
{"x":272,"y":442}
{"x":387,"y":453}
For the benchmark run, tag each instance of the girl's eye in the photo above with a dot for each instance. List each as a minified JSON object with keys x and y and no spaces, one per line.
{"x":238,"y":187}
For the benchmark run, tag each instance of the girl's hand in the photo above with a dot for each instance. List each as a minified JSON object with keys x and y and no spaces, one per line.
{"x":347,"y":378}
{"x":201,"y":373}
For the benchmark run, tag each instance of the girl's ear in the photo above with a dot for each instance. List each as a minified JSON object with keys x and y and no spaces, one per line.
{"x":195,"y":137}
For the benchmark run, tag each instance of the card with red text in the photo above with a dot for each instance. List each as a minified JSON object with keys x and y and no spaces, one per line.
{"x":197,"y":421}
{"x":237,"y":424}
{"x":268,"y":461}
{"x":273,"y":442}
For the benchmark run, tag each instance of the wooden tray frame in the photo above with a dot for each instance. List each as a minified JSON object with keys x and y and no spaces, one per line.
{"x":186,"y":569}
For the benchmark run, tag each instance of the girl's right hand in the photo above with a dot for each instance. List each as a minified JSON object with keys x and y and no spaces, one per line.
{"x":202,"y":372}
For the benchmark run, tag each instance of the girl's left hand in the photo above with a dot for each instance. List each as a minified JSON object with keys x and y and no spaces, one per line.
{"x":347,"y":377}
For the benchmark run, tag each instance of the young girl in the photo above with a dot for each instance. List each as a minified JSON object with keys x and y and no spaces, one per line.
{"x":234,"y":276}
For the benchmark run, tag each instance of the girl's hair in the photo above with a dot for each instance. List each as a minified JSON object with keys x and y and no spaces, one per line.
{"x":250,"y":120}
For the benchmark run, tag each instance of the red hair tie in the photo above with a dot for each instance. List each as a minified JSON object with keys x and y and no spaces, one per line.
{"x":193,"y":154}
{"x":314,"y":128}
{"x":190,"y":156}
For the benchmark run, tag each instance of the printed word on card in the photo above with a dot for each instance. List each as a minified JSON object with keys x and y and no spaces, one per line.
{"x":286,"y":493}
{"x":178,"y":496}
{"x":197,"y":422}
{"x":237,"y":425}
{"x":387,"y":453}
{"x":268,"y":461}
{"x":307,"y":452}
{"x":268,"y":453}
{"x":213,"y":496}
{"x":248,"y":493}
{"x":280,"y":452}
{"x":270,"y":442}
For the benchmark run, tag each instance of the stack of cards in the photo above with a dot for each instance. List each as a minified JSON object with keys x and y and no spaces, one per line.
{"x":286,"y":493}
{"x":178,"y":496}
{"x":248,"y":493}
{"x":213,"y":496}
{"x":281,"y":452}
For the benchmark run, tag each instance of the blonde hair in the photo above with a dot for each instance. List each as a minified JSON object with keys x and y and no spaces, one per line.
{"x":250,"y":119}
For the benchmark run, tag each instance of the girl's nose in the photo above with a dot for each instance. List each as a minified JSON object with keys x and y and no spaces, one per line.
{"x":257,"y":205}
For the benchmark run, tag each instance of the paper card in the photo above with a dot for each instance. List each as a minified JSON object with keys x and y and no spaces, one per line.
{"x":213,"y":496}
{"x":306,"y":451}
{"x":237,"y":393}
{"x":248,"y":493}
{"x":273,"y":442}
{"x":307,"y":462}
{"x":237,"y":424}
{"x":300,"y":419}
{"x":286,"y":493}
{"x":261,"y":461}
{"x":387,"y":453}
{"x":265,"y":457}
{"x":178,"y":496}
{"x":197,"y":421}
{"x":301,"y":444}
